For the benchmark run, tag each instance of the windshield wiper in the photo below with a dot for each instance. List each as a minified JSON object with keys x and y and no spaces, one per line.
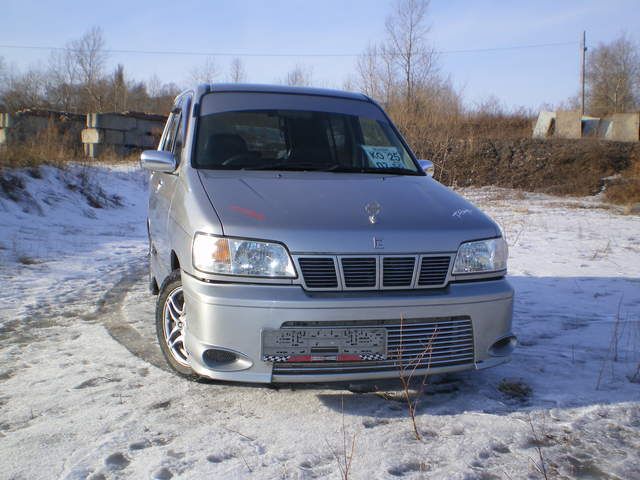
{"x":336,"y":168}
{"x":392,"y":171}
{"x":296,"y":167}
{"x":387,"y":170}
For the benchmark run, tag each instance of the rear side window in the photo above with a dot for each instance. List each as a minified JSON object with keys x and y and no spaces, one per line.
{"x":171,"y":130}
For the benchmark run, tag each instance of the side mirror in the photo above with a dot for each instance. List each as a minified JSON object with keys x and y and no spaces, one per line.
{"x":427,"y":167}
{"x":158,"y":161}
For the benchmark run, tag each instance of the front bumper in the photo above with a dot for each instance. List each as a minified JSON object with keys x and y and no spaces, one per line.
{"x":230,"y":317}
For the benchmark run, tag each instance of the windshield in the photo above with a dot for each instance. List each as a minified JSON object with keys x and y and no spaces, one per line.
{"x":300,"y":140}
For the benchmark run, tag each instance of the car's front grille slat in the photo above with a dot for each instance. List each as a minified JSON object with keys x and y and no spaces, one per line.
{"x":319,"y":272}
{"x":374,"y":272}
{"x":359,"y":272}
{"x":433,"y":270}
{"x":397,"y":271}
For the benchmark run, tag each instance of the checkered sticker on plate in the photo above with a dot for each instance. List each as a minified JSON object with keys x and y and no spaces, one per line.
{"x":324,"y":344}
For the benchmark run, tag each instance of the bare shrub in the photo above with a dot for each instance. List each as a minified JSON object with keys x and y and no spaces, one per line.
{"x":344,"y":455}
{"x":540,"y":464}
{"x":406,"y":373}
{"x":626,"y":188}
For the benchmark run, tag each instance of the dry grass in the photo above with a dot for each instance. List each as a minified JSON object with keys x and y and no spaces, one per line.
{"x":49,"y":146}
{"x":516,"y":389}
{"x":626,"y":189}
{"x":53,"y":146}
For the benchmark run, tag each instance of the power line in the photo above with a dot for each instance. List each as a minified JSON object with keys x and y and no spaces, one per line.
{"x":327,"y":55}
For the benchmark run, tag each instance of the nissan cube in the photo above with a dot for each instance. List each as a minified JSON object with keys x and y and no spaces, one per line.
{"x":295,"y":237}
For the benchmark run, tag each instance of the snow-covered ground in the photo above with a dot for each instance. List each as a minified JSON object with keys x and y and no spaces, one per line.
{"x":84,"y":392}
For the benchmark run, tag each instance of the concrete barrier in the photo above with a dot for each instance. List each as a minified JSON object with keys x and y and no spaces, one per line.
{"x":568,"y":124}
{"x":545,"y":125}
{"x":25,"y":125}
{"x":625,"y":127}
{"x":121,"y":133}
{"x":620,"y":127}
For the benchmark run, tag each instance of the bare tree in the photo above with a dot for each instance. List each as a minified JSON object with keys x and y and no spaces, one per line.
{"x":207,"y":72}
{"x":300,"y":76}
{"x":613,"y":77}
{"x":90,"y":56}
{"x":374,"y":72}
{"x":161,"y":95}
{"x":25,"y":90}
{"x":413,"y":56}
{"x":237,"y":73}
{"x":119,"y":89}
{"x":63,"y":79}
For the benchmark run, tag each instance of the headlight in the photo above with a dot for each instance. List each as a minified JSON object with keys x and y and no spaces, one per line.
{"x":481,"y":257}
{"x":236,"y":256}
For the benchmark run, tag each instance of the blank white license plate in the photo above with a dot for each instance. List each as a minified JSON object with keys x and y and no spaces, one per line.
{"x":324,"y":344}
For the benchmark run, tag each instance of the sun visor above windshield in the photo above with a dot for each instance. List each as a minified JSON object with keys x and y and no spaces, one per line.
{"x":218,"y":102}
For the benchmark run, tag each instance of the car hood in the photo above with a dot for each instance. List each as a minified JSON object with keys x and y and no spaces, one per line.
{"x":321,"y":212}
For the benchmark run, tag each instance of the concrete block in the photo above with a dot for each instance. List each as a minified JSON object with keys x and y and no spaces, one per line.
{"x":5,"y":120}
{"x":92,"y":135}
{"x":544,"y":125}
{"x":625,"y":127}
{"x":111,"y":121}
{"x":149,"y":126}
{"x":568,"y":124}
{"x":113,"y":137}
{"x":605,"y":128}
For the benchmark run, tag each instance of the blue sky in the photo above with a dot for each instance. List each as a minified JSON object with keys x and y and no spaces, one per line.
{"x":525,"y":77}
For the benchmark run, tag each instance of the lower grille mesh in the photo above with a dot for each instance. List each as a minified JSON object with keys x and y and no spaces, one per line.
{"x":420,"y":343}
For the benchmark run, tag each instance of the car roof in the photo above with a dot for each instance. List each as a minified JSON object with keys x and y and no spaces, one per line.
{"x":258,"y":88}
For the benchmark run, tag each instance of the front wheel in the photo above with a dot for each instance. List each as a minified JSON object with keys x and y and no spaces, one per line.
{"x":171,"y":319}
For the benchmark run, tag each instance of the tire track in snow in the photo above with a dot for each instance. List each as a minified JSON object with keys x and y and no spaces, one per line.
{"x":110,"y":314}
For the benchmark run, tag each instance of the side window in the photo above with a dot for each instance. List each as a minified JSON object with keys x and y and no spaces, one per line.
{"x":172,"y":127}
{"x":182,"y":126}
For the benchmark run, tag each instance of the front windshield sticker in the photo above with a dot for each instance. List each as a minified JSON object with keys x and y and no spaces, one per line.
{"x":383,"y":157}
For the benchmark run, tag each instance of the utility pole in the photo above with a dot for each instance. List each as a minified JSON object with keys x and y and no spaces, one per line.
{"x":583,"y":54}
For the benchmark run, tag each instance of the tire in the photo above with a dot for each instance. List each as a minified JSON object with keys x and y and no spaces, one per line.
{"x":170,"y":317}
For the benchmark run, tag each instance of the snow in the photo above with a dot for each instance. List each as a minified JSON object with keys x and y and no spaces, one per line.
{"x":84,"y":392}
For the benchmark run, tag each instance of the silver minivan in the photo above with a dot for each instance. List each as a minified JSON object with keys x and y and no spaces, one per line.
{"x":294,"y":237}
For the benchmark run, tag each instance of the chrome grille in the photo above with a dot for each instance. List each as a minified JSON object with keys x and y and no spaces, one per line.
{"x":433,"y":270}
{"x":374,"y":272}
{"x":397,"y":271}
{"x":319,"y":272}
{"x":421,"y":343}
{"x":360,"y":272}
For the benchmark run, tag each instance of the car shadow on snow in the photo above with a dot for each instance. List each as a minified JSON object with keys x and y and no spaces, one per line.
{"x":579,"y":346}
